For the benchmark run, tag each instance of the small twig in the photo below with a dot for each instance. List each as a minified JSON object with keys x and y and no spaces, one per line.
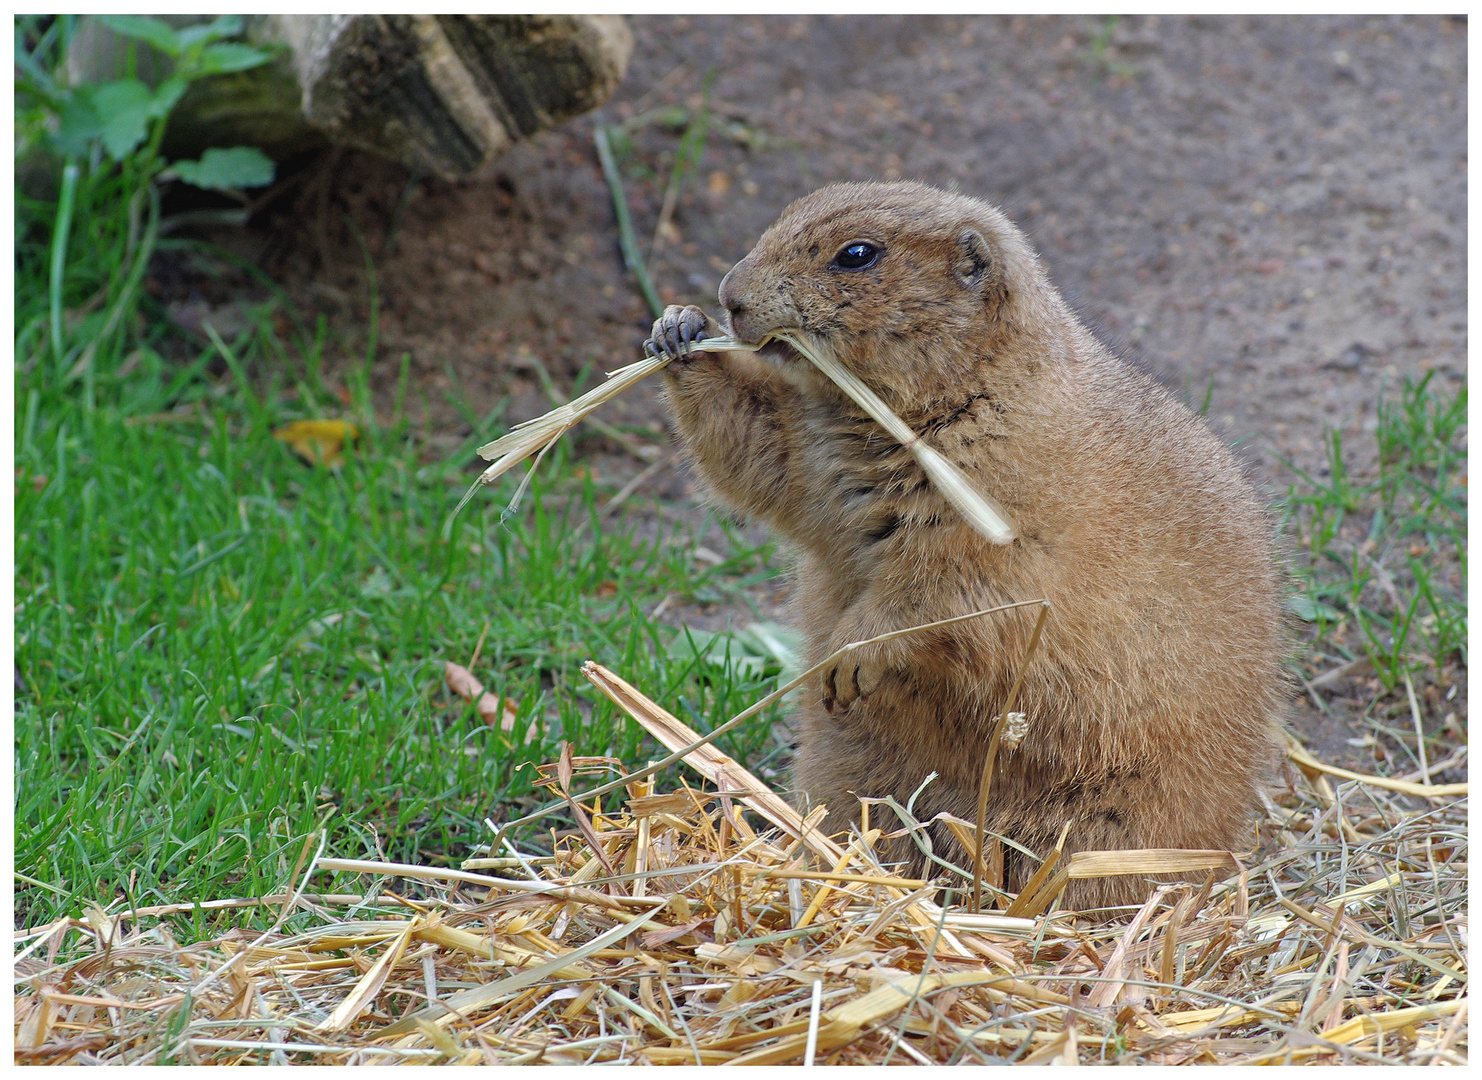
{"x":1386,"y":582}
{"x":1425,"y":770}
{"x":1322,"y":706}
{"x":992,"y":755}
{"x":626,"y":490}
{"x":444,"y":873}
{"x":813,"y":1014}
{"x":479,"y":648}
{"x":1458,"y":756}
{"x":590,"y":835}
{"x":312,"y":1048}
{"x":633,"y":485}
{"x":1306,"y":762}
{"x":983,"y":513}
{"x":1343,"y":671}
{"x":642,"y":114}
{"x":642,"y":451}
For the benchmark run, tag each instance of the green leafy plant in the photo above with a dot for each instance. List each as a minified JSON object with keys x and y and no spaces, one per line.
{"x":126,"y":117}
{"x":239,"y":166}
{"x":108,"y":137}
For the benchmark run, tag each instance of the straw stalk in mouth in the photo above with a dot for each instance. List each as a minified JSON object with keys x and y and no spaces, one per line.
{"x":978,"y":510}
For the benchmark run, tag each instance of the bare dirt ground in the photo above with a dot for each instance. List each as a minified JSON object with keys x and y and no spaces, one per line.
{"x":1267,"y":211}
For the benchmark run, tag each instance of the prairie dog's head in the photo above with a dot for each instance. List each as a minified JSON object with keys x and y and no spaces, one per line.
{"x":907,"y":285}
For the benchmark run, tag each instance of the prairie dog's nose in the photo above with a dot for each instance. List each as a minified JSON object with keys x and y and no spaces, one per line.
{"x":736,"y":298}
{"x":729,"y":294}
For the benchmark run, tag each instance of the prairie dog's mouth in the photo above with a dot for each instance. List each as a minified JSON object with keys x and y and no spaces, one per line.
{"x":780,"y":353}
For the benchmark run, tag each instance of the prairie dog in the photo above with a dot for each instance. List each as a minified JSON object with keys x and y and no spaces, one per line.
{"x":1154,"y":699}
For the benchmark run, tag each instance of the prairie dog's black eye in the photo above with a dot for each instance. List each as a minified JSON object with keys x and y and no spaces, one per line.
{"x":858,"y":255}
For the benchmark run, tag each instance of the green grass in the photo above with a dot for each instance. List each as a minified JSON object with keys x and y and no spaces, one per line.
{"x":1382,"y":561}
{"x":223,"y":649}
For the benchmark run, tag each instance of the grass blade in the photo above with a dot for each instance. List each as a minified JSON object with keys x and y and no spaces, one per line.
{"x":59,"y":256}
{"x":626,"y":238}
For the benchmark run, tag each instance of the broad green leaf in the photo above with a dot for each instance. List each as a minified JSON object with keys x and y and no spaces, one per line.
{"x":781,"y":643}
{"x":755,"y":651}
{"x":229,"y":56}
{"x":78,"y":123}
{"x":122,"y":95}
{"x":124,"y":132}
{"x":145,"y":28}
{"x":124,"y":109}
{"x":237,"y":167}
{"x":223,"y":26}
{"x":166,"y":94}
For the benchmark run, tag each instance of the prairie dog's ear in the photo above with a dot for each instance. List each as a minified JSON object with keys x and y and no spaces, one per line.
{"x":974,"y":265}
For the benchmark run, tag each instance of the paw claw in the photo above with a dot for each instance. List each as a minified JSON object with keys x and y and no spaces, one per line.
{"x":676,"y":331}
{"x":689,"y":334}
{"x":855,"y":678}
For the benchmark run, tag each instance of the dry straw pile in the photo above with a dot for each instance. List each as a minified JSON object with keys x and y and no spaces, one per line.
{"x":710,"y":924}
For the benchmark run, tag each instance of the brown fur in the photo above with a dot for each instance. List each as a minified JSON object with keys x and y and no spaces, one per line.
{"x":1154,"y":697}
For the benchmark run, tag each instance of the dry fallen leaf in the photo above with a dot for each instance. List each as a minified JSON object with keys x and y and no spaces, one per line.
{"x":319,"y":442}
{"x":496,"y":712}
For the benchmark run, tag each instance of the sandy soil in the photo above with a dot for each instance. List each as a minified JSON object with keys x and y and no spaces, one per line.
{"x":1267,"y":211}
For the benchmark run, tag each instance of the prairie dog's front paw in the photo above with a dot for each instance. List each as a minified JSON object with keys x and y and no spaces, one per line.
{"x":676,"y":330}
{"x":853,"y":676}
